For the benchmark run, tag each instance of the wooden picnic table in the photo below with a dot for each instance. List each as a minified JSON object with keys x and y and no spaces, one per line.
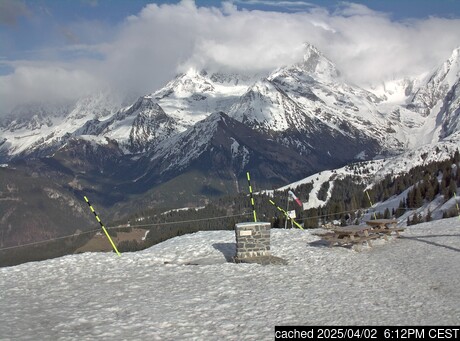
{"x":350,"y":235}
{"x":385,"y":226}
{"x":359,"y":234}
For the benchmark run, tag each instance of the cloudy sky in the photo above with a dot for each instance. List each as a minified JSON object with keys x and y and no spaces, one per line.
{"x":60,"y":50}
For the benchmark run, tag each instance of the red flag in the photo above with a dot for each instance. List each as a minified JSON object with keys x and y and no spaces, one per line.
{"x":297,"y":200}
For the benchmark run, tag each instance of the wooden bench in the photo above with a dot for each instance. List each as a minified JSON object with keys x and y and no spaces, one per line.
{"x":356,"y":235}
{"x":353,"y":235}
{"x":385,"y":227}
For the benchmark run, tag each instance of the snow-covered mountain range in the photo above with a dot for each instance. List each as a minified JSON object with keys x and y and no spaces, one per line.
{"x":307,"y":106}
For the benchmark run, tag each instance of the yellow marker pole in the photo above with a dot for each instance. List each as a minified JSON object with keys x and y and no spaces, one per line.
{"x":102,"y":225}
{"x":375,"y":216}
{"x":286,"y":214}
{"x":252,"y":198}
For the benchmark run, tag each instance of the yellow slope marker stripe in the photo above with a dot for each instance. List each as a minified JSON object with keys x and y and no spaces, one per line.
{"x":252,"y":198}
{"x":286,"y":214}
{"x":368,"y":196}
{"x":103,"y":228}
{"x":110,"y":240}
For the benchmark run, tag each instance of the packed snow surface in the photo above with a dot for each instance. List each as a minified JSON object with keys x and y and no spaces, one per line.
{"x":155,"y":295}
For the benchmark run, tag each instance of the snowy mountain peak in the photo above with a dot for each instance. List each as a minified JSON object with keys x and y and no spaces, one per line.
{"x":146,"y":102}
{"x":316,"y":63}
{"x":185,"y":85}
{"x":449,"y":72}
{"x":313,"y":68}
{"x":32,"y":116}
{"x":437,"y":85}
{"x":452,"y":67}
{"x":136,"y":128}
{"x":194,"y":95}
{"x":455,"y":54}
{"x":43,"y":127}
{"x":199,"y":84}
{"x":309,"y":101}
{"x":150,"y":126}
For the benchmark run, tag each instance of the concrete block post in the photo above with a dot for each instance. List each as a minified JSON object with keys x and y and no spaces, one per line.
{"x":252,"y":240}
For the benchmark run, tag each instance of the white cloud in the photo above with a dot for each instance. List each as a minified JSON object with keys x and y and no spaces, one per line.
{"x":279,"y":3}
{"x":38,"y":83}
{"x":150,"y":47}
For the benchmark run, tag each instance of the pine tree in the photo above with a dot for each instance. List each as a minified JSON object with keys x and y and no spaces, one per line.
{"x":428,"y":216}
{"x":386,"y":214}
{"x":456,"y":157}
{"x":452,"y":189}
{"x":418,"y":200}
{"x":429,"y":193}
{"x":410,"y":199}
{"x":322,"y":193}
{"x":401,"y":209}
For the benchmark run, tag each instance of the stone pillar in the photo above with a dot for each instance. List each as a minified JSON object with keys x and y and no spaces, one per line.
{"x":252,"y":240}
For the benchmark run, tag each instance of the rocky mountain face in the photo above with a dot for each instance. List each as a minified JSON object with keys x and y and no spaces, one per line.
{"x":38,"y":130}
{"x":437,"y":85}
{"x":227,"y":148}
{"x":308,"y":107}
{"x":213,"y":127}
{"x":447,"y":80}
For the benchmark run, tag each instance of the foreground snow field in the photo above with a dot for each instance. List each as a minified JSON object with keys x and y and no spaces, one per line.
{"x":155,"y":295}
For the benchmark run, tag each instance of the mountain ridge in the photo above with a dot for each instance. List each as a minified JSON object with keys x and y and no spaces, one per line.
{"x":312,"y":88}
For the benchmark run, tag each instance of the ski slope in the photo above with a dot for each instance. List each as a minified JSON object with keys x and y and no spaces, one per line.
{"x":155,"y":295}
